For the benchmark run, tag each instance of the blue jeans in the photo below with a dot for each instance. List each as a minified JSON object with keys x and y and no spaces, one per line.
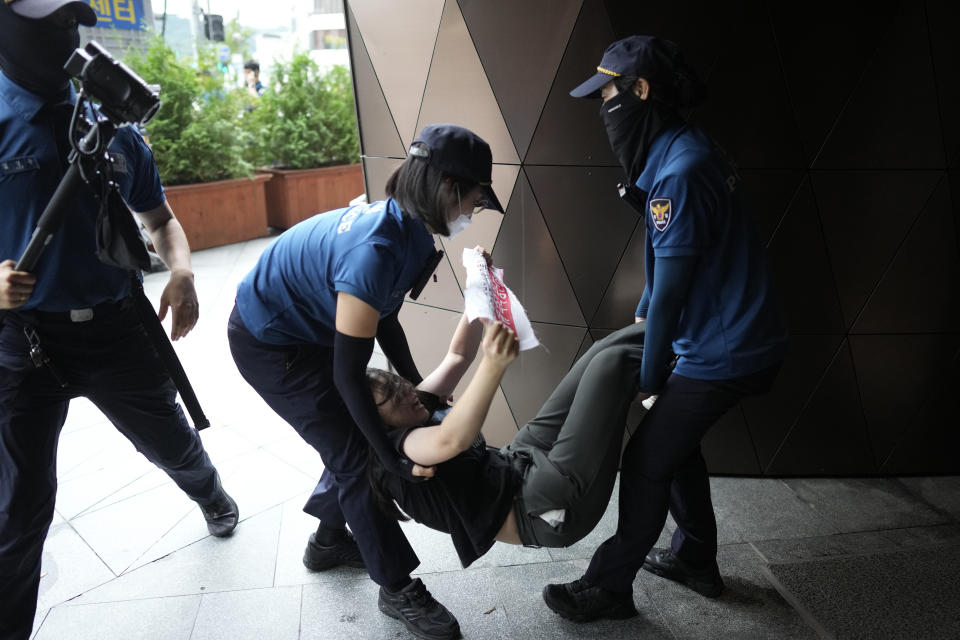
{"x":109,"y":361}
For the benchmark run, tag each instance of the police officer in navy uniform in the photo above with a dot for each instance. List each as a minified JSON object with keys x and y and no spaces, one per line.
{"x":74,"y":308}
{"x":302,"y":332}
{"x":708,"y":301}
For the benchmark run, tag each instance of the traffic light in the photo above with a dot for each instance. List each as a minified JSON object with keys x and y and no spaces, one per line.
{"x":213,"y":27}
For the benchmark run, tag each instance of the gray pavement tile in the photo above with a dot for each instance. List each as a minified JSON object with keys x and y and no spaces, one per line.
{"x":749,"y":607}
{"x":877,"y":596}
{"x":607,"y":526}
{"x":69,"y":567}
{"x":344,"y":607}
{"x":246,"y":560}
{"x":943,"y":492}
{"x":763,"y":508}
{"x":519,"y":591}
{"x":249,"y":615}
{"x":857,"y":543}
{"x":154,"y":619}
{"x":865,"y":504}
{"x":122,"y":532}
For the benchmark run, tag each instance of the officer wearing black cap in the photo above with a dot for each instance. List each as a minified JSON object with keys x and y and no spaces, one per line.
{"x":302,"y":332}
{"x":708,"y":301}
{"x":74,"y":310}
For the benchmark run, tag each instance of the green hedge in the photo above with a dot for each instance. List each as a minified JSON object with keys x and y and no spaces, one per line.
{"x":205,"y":131}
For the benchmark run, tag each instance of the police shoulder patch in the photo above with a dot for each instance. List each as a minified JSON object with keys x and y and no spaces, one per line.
{"x":661,"y":210}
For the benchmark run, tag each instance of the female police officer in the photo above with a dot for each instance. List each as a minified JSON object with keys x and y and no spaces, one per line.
{"x":303,"y":329}
{"x":708,"y":296}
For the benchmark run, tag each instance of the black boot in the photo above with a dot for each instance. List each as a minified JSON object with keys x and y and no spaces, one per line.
{"x":329,"y":548}
{"x":665,"y":563}
{"x":423,"y":616}
{"x":581,"y":601}
{"x":222,"y":515}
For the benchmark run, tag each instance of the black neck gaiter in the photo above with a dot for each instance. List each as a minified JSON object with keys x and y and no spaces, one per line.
{"x":33,"y":52}
{"x":632,"y":125}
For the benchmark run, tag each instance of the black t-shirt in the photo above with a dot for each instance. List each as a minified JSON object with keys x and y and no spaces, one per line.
{"x":469,"y":497}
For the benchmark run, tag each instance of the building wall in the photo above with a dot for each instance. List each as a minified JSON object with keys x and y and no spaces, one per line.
{"x":847,"y":129}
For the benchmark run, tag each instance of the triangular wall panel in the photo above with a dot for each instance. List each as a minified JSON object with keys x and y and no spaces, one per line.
{"x":757,"y":129}
{"x":928,"y":261}
{"x":870,"y":132}
{"x":376,"y":171}
{"x":458,"y":91}
{"x":830,"y":437}
{"x":623,"y":293}
{"x":590,"y":231}
{"x":767,"y":194}
{"x":771,"y":416}
{"x":400,"y":38}
{"x":532,"y":377}
{"x":931,"y":441}
{"x":801,"y":269}
{"x":570,"y":130}
{"x":897,"y":375}
{"x":823,"y":57}
{"x":533,"y":270}
{"x":443,"y":289}
{"x":378,"y":132}
{"x":945,"y":53}
{"x":865,"y":216}
{"x":727,"y":446}
{"x":505,"y":32}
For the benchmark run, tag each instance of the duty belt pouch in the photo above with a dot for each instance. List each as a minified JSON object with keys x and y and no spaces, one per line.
{"x":118,"y":239}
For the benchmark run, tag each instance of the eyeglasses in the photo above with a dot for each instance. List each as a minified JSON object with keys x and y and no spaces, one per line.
{"x":480,"y":205}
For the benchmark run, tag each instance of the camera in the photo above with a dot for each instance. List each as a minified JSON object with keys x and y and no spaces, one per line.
{"x":123,"y":95}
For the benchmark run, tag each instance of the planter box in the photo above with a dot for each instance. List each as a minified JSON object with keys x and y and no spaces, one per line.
{"x":222,"y":212}
{"x":295,"y":195}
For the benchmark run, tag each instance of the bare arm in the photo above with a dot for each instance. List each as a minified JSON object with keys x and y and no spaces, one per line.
{"x":171,"y":244}
{"x":432,"y":445}
{"x":463,"y":349}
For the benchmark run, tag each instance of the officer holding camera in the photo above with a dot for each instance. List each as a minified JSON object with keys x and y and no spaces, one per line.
{"x":69,"y":328}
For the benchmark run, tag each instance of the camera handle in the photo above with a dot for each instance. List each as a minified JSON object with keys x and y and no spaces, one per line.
{"x":52,"y":216}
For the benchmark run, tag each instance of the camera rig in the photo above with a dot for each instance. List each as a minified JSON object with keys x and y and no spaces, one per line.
{"x":123,"y":99}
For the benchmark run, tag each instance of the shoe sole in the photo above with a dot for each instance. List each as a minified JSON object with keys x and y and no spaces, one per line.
{"x":325,"y":566}
{"x":420,"y":633}
{"x":706,"y":590}
{"x":609,"y":614}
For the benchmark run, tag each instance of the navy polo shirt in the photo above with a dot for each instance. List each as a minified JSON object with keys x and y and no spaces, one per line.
{"x":731,"y":323}
{"x":370,"y":251}
{"x":69,"y":275}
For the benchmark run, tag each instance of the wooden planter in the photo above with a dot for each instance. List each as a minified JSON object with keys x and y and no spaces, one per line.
{"x":222,"y":212}
{"x":296,"y":194}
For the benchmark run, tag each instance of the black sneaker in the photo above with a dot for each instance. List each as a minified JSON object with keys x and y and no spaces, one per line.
{"x":665,"y":563}
{"x":222,"y":515}
{"x":344,"y":551}
{"x":581,"y":601}
{"x":423,"y":616}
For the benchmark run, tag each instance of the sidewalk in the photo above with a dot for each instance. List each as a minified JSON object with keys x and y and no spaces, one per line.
{"x":128,"y":555}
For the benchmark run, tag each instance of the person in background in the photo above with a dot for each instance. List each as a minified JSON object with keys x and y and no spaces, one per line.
{"x":708,"y":299}
{"x":251,"y":74}
{"x":69,"y":328}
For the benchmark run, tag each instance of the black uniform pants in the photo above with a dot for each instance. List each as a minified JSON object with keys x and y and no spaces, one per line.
{"x":297,"y":383}
{"x":663,"y":470}
{"x":108,"y":360}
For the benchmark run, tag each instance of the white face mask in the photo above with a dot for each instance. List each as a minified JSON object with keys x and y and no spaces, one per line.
{"x":459,"y":224}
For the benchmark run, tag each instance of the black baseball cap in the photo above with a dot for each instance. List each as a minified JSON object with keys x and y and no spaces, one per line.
{"x":634,"y":57}
{"x":39,"y":9}
{"x":459,"y":152}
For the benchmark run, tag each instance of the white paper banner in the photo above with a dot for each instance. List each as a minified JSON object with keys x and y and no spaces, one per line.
{"x":486,"y":296}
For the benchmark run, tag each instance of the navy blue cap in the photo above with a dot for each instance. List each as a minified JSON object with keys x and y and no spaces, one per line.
{"x":39,"y":9}
{"x":459,"y":152}
{"x":635,"y":57}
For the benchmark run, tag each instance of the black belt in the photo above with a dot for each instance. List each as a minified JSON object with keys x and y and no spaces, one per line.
{"x":85,"y":314}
